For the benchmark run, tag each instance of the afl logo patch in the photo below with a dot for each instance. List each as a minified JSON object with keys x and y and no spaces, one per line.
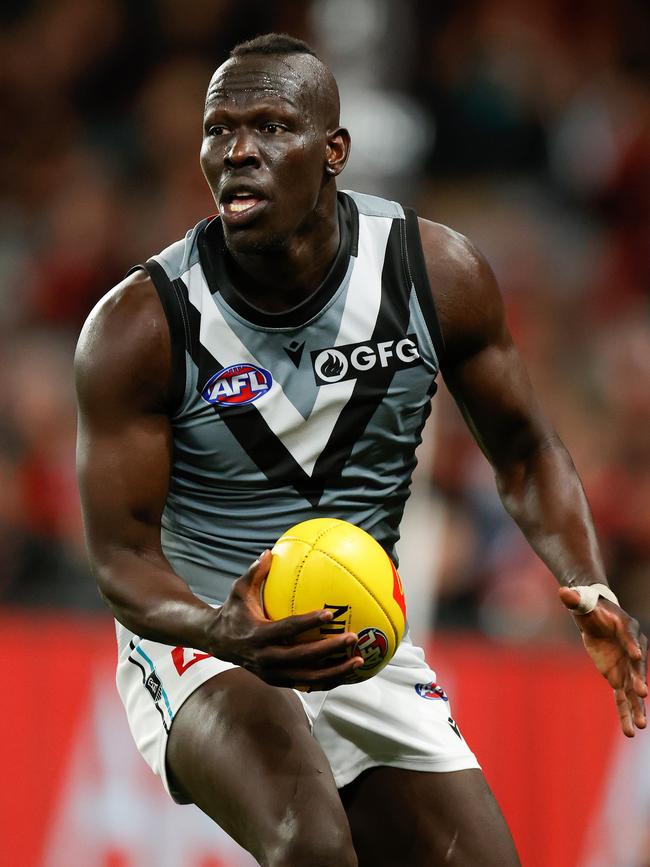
{"x":372,"y":646}
{"x":237,"y":385}
{"x":431,"y":691}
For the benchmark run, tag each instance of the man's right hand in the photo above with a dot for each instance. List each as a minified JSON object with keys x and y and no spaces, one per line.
{"x":272,"y":649}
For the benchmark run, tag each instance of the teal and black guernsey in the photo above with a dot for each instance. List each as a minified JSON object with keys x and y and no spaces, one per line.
{"x":315,"y":412}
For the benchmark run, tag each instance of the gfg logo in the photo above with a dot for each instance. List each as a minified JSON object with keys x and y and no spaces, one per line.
{"x":349,"y":362}
{"x":237,"y":385}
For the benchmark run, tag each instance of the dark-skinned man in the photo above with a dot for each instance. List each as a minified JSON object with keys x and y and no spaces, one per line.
{"x":275,"y":365}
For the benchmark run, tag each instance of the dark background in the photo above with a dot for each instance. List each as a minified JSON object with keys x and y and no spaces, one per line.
{"x":525,"y":126}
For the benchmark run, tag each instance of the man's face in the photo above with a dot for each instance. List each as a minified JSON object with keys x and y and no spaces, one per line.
{"x":264,"y":149}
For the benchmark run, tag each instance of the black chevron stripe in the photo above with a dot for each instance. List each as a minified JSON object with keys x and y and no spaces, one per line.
{"x":249,"y":427}
{"x":247,"y":424}
{"x":371,"y":389}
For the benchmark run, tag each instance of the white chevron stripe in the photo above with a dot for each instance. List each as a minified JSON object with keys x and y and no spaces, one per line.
{"x":305,"y":439}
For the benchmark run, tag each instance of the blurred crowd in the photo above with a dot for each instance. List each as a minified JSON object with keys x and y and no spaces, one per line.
{"x":524,"y":126}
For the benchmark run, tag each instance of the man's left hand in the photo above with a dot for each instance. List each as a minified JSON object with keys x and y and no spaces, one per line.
{"x":619,"y":651}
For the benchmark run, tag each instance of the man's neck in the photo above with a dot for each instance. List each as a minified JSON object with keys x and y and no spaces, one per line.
{"x":279,"y":280}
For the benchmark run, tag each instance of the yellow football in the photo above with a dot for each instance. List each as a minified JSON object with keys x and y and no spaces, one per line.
{"x":329,"y":563}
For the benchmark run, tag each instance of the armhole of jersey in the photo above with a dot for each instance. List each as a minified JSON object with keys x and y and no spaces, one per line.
{"x":418,"y":271}
{"x":173,"y":306}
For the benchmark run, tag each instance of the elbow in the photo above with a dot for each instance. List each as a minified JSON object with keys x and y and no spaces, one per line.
{"x":110,"y":571}
{"x":523,"y":454}
{"x":105,"y":586}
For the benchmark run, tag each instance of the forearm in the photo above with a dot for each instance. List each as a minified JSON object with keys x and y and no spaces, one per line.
{"x":147,"y":597}
{"x":544,"y":495}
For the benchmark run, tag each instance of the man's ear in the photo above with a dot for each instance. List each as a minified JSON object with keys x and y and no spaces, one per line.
{"x":338,"y":151}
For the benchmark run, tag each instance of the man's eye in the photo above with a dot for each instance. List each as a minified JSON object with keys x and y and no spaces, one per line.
{"x":273,"y":128}
{"x":216,"y":130}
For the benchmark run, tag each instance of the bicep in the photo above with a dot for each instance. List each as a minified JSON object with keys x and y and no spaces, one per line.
{"x":123,"y":466}
{"x":124,"y":439}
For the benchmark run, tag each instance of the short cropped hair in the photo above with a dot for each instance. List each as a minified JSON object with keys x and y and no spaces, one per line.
{"x":273,"y":43}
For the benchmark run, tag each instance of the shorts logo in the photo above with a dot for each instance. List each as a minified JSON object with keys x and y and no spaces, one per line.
{"x":237,"y":385}
{"x":153,"y":684}
{"x":431,"y":691}
{"x":339,"y":363}
{"x":372,"y":646}
{"x":181,"y":664}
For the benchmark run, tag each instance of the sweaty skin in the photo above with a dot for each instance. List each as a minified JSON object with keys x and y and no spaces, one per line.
{"x":266,"y":127}
{"x":271,"y":151}
{"x":534,"y":473}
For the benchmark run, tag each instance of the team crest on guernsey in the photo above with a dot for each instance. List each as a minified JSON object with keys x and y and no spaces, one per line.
{"x":237,"y":385}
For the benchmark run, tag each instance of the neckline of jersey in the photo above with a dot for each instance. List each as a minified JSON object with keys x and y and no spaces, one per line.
{"x":212,"y":256}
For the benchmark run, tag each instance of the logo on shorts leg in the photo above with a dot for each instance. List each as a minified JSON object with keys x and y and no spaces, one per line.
{"x":431,"y":691}
{"x":153,"y":684}
{"x":372,"y":646}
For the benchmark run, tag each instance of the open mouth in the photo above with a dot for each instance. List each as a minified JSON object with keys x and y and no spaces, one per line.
{"x":235,"y":207}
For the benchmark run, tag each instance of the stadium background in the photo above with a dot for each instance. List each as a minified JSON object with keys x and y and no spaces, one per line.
{"x":525,"y":126}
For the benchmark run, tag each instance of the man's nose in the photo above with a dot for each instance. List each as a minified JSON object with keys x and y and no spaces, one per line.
{"x":242,"y":151}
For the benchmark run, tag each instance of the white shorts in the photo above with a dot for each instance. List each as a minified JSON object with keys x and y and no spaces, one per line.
{"x":400,"y":718}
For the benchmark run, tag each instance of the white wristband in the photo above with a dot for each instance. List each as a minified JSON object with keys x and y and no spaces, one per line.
{"x":589,"y":597}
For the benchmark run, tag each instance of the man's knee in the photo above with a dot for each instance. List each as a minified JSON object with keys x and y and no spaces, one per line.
{"x":305,"y":844}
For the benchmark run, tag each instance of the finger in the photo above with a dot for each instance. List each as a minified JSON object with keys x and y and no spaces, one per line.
{"x":570,"y":598}
{"x":641,"y":666}
{"x":638,"y":676}
{"x":312,"y":653}
{"x":639,"y":686}
{"x":309,"y":680}
{"x":637,"y":708}
{"x":327,"y":678}
{"x":257,"y":571}
{"x":249,"y":585}
{"x":628,"y":635}
{"x":638,"y":680}
{"x":623,"y":708}
{"x":289,"y":628}
{"x":635,"y":704}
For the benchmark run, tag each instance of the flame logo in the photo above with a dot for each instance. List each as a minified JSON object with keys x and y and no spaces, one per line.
{"x":331,"y":365}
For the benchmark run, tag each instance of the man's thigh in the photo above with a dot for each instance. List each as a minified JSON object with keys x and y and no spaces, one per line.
{"x":421,"y":819}
{"x":242,"y":751}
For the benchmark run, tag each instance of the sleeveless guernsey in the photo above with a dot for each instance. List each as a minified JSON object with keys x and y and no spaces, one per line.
{"x":311,"y":413}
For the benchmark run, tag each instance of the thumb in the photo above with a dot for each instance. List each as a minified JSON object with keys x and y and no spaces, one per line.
{"x":570,"y":598}
{"x":258,"y":570}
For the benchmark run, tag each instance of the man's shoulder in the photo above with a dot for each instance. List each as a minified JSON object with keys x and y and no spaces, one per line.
{"x":375,"y":206}
{"x":124,"y":307}
{"x":447,"y":250}
{"x":133,"y":308}
{"x":463,"y":285}
{"x":126,"y":335}
{"x":179,"y":257}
